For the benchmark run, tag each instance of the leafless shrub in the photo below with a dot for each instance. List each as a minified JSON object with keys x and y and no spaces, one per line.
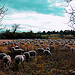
{"x":2,"y":14}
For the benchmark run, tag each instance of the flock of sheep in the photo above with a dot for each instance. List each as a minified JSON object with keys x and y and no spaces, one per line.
{"x":20,"y":55}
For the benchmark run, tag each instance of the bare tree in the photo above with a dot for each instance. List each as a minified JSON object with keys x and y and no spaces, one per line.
{"x":68,"y":1}
{"x":71,"y":15}
{"x":2,"y":14}
{"x":15,"y":27}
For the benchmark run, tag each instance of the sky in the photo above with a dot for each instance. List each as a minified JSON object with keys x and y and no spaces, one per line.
{"x":36,"y":15}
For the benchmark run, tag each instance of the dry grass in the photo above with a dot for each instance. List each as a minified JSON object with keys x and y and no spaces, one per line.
{"x":59,"y":63}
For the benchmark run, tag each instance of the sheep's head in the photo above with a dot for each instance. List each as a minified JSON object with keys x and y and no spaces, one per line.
{"x":24,"y":57}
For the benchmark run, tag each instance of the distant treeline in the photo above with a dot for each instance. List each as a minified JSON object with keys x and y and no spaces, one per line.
{"x":31,"y":35}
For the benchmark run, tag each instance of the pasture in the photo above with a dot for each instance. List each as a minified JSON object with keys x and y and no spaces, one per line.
{"x":61,"y":62}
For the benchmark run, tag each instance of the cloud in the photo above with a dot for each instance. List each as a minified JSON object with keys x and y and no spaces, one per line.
{"x":36,"y":21}
{"x":40,"y":6}
{"x":36,"y":15}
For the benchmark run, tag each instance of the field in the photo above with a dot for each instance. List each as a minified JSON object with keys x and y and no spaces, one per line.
{"x":62,"y":61}
{"x":2,"y":40}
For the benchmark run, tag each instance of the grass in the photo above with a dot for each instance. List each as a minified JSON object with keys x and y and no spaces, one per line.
{"x":58,"y":64}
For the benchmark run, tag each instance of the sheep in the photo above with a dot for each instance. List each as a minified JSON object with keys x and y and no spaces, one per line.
{"x":74,"y":42}
{"x":1,"y":55}
{"x":40,"y":49}
{"x":17,"y":51}
{"x":62,"y":44}
{"x":27,"y":54}
{"x":12,"y":49}
{"x":47,"y":48}
{"x":22,"y":43}
{"x":7,"y":60}
{"x":16,"y":43}
{"x":41,"y":42}
{"x":28,"y":43}
{"x":47,"y":52}
{"x":36,"y":45}
{"x":43,"y":45}
{"x":8,"y":42}
{"x":11,"y":43}
{"x":56,"y":42}
{"x":70,"y":43}
{"x":19,"y":58}
{"x":72,"y":72}
{"x":68,"y":47}
{"x":72,"y":49}
{"x":33,"y":53}
{"x":51,"y":43}
{"x":4,"y":43}
{"x":16,"y":47}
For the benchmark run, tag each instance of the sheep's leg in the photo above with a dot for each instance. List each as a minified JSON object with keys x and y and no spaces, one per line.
{"x":35,"y":56}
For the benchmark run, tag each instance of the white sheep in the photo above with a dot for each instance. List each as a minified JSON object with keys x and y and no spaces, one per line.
{"x":27,"y":55}
{"x":12,"y":49}
{"x":47,"y":48}
{"x":72,"y":49}
{"x":41,"y":42}
{"x":36,"y":45}
{"x":2,"y":54}
{"x":16,"y":47}
{"x":17,"y":51}
{"x":40,"y":49}
{"x":67,"y":47}
{"x":33,"y":53}
{"x":19,"y":58}
{"x":4,"y":43}
{"x":47,"y":52}
{"x":7,"y":60}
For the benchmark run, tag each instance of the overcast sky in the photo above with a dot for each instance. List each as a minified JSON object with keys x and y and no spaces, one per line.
{"x":36,"y":15}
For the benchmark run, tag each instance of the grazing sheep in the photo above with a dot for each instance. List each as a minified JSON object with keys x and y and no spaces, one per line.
{"x":11,"y":43}
{"x":2,"y":55}
{"x":27,"y":54}
{"x":19,"y":58}
{"x":72,"y":72}
{"x":56,"y":42}
{"x":36,"y":45}
{"x":33,"y":53}
{"x":41,"y":42}
{"x":68,"y":47}
{"x":12,"y":49}
{"x":51,"y":43}
{"x":28,"y":43}
{"x":43,"y":45}
{"x":16,"y":43}
{"x":16,"y":47}
{"x":62,"y":44}
{"x":70,"y":43}
{"x":47,"y":52}
{"x":4,"y":43}
{"x":47,"y":48}
{"x":40,"y":49}
{"x":72,"y":49}
{"x":74,"y":42}
{"x":8,"y":42}
{"x":17,"y":51}
{"x":7,"y":60}
{"x":22,"y":43}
